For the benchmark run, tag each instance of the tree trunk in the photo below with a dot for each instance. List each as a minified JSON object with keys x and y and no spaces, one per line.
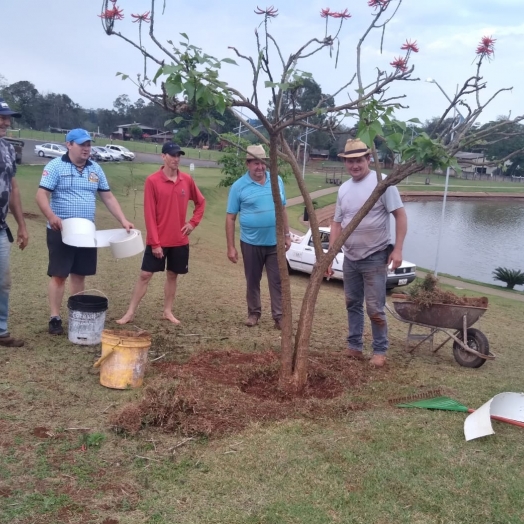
{"x":286,"y":358}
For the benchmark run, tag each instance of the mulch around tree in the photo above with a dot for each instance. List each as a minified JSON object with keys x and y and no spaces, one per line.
{"x":221,"y":392}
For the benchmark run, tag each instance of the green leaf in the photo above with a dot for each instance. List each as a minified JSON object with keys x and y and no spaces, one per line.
{"x":184,"y":35}
{"x":267,"y":83}
{"x":365,"y":137}
{"x":415,"y":120}
{"x":158,"y":74}
{"x":173,"y":89}
{"x":195,"y":128}
{"x":228,"y":61}
{"x":178,"y":119}
{"x":375,"y":128}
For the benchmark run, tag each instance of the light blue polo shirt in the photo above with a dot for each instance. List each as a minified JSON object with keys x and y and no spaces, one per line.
{"x":73,"y":194}
{"x":255,"y":204}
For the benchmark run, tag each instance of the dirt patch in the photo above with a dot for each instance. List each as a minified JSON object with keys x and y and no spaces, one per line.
{"x":5,"y":493}
{"x":42,"y":432}
{"x":219,"y":392}
{"x":110,"y":521}
{"x":32,"y":216}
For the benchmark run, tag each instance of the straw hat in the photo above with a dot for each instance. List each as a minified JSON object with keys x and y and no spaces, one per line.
{"x":355,"y":148}
{"x":256,"y":153}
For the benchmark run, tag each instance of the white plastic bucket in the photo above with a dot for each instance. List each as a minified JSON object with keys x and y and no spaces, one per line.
{"x":87,"y":316}
{"x":103,"y":236}
{"x":78,"y":232}
{"x":125,"y":244}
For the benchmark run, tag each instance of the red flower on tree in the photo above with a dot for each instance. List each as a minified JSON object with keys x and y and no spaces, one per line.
{"x":325,"y":13}
{"x":486,"y":48}
{"x":341,"y":14}
{"x":410,"y":46}
{"x":142,"y":18}
{"x":400,"y":63}
{"x":269,"y":12}
{"x":113,"y":14}
{"x":378,"y":4}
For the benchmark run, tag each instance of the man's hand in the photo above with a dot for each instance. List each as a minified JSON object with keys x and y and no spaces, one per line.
{"x":55,"y":223}
{"x":288,"y":243}
{"x":158,"y":252}
{"x":22,"y":238}
{"x":187,"y":228}
{"x":232,"y":254}
{"x":395,"y":259}
{"x":128,"y":226}
{"x":329,"y":271}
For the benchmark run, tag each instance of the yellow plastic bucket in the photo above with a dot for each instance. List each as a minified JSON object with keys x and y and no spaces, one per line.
{"x":124,"y":356}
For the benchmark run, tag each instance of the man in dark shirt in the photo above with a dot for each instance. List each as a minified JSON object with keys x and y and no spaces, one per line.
{"x":9,"y":199}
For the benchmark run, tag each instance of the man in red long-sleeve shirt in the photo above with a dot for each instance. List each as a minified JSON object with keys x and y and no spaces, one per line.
{"x":166,"y":196}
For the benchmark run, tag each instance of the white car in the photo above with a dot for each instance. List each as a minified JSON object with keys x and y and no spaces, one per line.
{"x":99,"y":154}
{"x":128,"y":155}
{"x":50,"y":150}
{"x":301,"y":257}
{"x":115,"y":155}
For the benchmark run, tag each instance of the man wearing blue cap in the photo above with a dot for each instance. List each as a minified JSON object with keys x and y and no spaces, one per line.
{"x":68,"y":189}
{"x":9,"y":200}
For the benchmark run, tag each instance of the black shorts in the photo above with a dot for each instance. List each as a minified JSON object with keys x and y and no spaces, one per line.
{"x":65,"y":259}
{"x":177,"y":260}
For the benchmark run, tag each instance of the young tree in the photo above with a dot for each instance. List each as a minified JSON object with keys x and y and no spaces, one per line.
{"x":190,"y":83}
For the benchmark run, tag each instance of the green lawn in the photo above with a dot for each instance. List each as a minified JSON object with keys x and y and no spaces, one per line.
{"x":366,"y":463}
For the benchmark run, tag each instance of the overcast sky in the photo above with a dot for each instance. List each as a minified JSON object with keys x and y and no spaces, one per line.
{"x":60,"y":46}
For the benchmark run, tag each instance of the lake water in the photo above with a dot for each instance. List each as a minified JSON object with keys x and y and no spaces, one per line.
{"x":477,"y":238}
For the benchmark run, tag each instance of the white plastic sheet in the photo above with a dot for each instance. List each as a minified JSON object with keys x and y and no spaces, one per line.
{"x":506,"y":405}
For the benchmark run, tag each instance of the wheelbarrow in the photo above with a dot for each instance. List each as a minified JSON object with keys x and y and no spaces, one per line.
{"x":470,"y":345}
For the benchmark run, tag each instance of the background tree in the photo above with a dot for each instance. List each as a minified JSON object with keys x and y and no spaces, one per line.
{"x":190,"y":83}
{"x":136,"y":132}
{"x":512,"y":277}
{"x":22,"y":96}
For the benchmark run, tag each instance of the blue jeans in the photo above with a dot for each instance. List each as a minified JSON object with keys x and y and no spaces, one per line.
{"x":366,"y":279}
{"x":5,"y":281}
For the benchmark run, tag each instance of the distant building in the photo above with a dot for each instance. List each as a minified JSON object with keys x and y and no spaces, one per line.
{"x":122,"y":131}
{"x":473,"y":164}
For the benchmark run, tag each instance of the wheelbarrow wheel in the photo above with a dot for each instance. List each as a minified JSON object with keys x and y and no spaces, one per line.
{"x":477,"y":341}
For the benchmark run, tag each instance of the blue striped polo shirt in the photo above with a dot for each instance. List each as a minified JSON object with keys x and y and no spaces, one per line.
{"x":255,"y":204}
{"x":73,"y":194}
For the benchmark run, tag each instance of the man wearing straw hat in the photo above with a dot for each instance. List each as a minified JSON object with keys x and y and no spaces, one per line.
{"x":367,"y":251}
{"x":9,"y":201}
{"x":68,"y":189}
{"x":250,"y":197}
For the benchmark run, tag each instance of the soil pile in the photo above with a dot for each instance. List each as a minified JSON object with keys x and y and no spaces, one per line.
{"x":427,"y":292}
{"x":223,"y":391}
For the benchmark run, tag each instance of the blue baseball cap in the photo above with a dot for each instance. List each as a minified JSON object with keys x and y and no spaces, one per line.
{"x":5,"y":110}
{"x":79,"y":136}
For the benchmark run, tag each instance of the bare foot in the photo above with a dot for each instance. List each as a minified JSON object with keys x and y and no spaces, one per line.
{"x":128,"y":317}
{"x":169,"y":316}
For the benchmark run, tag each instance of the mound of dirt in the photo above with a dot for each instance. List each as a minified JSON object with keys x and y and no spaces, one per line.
{"x":219,"y":392}
{"x":427,"y":292}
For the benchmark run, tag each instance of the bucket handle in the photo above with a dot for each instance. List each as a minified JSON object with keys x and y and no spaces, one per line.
{"x":107,"y":355}
{"x":93,"y":289}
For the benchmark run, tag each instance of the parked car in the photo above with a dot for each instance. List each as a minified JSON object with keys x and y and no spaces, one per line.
{"x":301,"y":257}
{"x":116,"y":156}
{"x":99,"y":154}
{"x":128,"y":155}
{"x":50,"y":150}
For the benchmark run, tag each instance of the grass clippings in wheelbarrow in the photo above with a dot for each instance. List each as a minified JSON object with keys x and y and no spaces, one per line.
{"x":426,"y":292}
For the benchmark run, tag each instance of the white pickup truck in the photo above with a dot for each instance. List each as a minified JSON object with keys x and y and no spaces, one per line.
{"x":301,"y":257}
